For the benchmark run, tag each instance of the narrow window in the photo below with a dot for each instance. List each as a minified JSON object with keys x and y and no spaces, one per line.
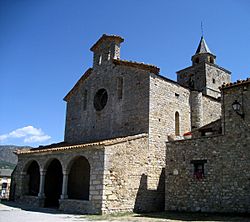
{"x":109,"y":55}
{"x":198,"y":169}
{"x":177,"y":124}
{"x":85,"y":99}
{"x":100,"y":60}
{"x":177,"y":95}
{"x":213,"y":80}
{"x":211,"y":60}
{"x":197,"y":60}
{"x":119,"y":87}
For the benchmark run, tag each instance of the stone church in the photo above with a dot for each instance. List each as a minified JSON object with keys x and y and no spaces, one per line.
{"x":120,"y":114}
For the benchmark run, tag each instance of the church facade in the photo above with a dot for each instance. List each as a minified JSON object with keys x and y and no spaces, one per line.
{"x":119,"y":116}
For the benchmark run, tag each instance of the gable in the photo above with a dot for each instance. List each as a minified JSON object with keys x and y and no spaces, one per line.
{"x":78,"y":83}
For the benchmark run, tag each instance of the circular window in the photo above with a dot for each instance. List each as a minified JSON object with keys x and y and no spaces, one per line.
{"x":100,"y":99}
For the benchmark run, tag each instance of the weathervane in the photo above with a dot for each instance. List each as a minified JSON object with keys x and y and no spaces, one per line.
{"x":202,"y":29}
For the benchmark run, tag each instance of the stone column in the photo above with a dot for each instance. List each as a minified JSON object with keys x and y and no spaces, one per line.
{"x":23,"y":184}
{"x":196,"y":109}
{"x":65,"y":185}
{"x":42,"y":182}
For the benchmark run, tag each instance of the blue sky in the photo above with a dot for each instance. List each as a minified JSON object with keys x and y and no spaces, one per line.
{"x":44,"y":50}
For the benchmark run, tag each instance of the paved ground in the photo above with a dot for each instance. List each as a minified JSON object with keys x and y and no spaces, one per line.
{"x":11,"y":212}
{"x":16,"y":214}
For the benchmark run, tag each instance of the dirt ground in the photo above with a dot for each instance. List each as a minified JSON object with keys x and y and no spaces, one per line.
{"x":12,"y":212}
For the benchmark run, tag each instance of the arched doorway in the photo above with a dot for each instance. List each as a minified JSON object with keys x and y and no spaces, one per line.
{"x":79,"y":177}
{"x":33,"y":178}
{"x":53,"y":184}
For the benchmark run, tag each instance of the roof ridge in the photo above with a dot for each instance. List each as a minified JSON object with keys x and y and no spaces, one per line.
{"x":105,"y":142}
{"x":149,"y":67}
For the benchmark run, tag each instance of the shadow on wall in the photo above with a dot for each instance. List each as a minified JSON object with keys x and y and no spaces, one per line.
{"x":150,"y":200}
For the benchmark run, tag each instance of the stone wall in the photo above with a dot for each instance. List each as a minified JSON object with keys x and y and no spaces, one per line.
{"x":232,"y":122}
{"x":193,"y":77}
{"x":197,"y":109}
{"x":78,"y":206}
{"x":215,"y":77}
{"x":211,"y":109}
{"x":205,"y":77}
{"x":95,"y":157}
{"x":125,"y":165}
{"x":166,"y":98}
{"x":225,"y":186}
{"x":118,"y":177}
{"x":204,"y":109}
{"x":120,"y":117}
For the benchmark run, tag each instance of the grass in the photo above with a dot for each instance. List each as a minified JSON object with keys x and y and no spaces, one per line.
{"x":169,"y":217}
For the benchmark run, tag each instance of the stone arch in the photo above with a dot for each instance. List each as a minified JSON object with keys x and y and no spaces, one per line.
{"x":31,"y":178}
{"x":177,"y":123}
{"x":79,"y":178}
{"x":53,"y":182}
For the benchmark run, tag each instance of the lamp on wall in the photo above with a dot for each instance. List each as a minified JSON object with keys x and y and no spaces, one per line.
{"x":237,"y":107}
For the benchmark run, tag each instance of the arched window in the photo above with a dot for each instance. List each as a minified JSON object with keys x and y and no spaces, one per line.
{"x":211,"y":60}
{"x":197,"y":60}
{"x":177,"y":124}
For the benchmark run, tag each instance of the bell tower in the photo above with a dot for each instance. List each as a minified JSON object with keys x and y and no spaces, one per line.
{"x":106,"y":49}
{"x":204,"y":75}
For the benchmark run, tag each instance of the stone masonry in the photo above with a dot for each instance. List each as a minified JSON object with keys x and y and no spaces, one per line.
{"x":119,"y":116}
{"x":225,"y":186}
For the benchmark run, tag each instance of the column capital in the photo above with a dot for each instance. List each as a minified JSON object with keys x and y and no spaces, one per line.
{"x":42,"y":172}
{"x":65,"y":172}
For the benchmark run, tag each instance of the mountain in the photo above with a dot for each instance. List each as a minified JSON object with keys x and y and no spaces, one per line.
{"x":8,"y":159}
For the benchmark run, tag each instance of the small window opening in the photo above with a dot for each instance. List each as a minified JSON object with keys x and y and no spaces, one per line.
{"x":213,"y":80}
{"x":109,"y":55}
{"x":119,"y":87}
{"x":177,"y":95}
{"x":198,"y":169}
{"x":4,"y":185}
{"x":177,"y":124}
{"x":211,"y":60}
{"x":197,"y":60}
{"x":85,"y":99}
{"x":100,"y":60}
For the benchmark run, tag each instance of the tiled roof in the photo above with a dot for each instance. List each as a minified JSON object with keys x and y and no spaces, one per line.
{"x":84,"y":76}
{"x":237,"y":83}
{"x":105,"y":37}
{"x":82,"y":146}
{"x":147,"y":67}
{"x":202,"y":48}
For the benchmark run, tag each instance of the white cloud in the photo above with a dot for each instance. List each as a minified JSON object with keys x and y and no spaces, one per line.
{"x":40,"y":138}
{"x":30,"y":134}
